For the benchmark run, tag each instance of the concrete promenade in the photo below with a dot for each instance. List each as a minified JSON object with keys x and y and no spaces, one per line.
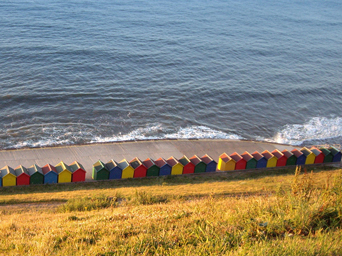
{"x":87,"y":155}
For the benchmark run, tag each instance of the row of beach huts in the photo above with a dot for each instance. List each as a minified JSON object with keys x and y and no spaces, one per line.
{"x":137,"y":168}
{"x":63,"y":173}
{"x":48,"y":174}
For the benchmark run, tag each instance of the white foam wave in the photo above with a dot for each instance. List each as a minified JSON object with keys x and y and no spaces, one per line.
{"x":158,"y":132}
{"x":316,"y":130}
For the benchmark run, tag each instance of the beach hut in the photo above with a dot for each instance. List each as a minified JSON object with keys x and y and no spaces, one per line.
{"x":64,"y":172}
{"x":176,"y":166}
{"x":261,"y":160}
{"x":164,"y":167}
{"x":188,"y":166}
{"x":8,"y":176}
{"x":251,"y":162}
{"x":310,"y":157}
{"x":300,"y":156}
{"x":328,"y":157}
{"x":240,"y":162}
{"x":50,"y":174}
{"x":127,"y":169}
{"x":115,"y":172}
{"x":281,"y":158}
{"x":271,"y":159}
{"x":225,"y":163}
{"x":78,"y":172}
{"x":140,"y":169}
{"x":100,"y":171}
{"x":152,"y":168}
{"x":36,"y":174}
{"x":200,"y":166}
{"x":291,"y":158}
{"x":23,"y":176}
{"x":336,"y":154}
{"x":319,"y":159}
{"x":210,"y":162}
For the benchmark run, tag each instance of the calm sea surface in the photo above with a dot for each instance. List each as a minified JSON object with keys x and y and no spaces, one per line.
{"x":77,"y":71}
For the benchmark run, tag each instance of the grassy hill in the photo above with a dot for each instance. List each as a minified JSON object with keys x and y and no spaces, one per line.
{"x":264,"y":212}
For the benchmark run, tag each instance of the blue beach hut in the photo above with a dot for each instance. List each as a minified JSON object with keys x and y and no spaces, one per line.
{"x":211,"y":164}
{"x":336,"y":154}
{"x":165,"y":168}
{"x":50,"y":174}
{"x":301,"y":158}
{"x":115,"y":172}
{"x":261,"y":160}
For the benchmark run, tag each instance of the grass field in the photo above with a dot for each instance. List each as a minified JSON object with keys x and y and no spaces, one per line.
{"x":265,"y":212}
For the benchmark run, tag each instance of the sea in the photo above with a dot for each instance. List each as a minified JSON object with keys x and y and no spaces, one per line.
{"x":82,"y":72}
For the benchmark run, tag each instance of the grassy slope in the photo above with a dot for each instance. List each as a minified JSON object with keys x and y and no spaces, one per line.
{"x":255,"y":213}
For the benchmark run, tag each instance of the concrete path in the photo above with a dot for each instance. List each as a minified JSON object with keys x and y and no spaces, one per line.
{"x":87,"y":155}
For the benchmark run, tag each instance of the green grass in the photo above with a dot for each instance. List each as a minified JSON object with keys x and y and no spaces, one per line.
{"x":283,"y":213}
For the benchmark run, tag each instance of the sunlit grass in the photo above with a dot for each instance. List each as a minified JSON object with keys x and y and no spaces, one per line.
{"x":280,"y":214}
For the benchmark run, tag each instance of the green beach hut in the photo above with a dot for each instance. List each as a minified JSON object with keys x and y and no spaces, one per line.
{"x":100,"y":171}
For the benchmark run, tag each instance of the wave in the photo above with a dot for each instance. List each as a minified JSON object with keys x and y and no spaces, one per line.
{"x":158,"y":132}
{"x":317,"y":130}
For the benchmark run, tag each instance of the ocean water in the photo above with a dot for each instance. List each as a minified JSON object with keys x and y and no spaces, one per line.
{"x":78,"y":71}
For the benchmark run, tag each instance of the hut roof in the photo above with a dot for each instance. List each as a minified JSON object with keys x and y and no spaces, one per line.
{"x":225,"y":157}
{"x":20,"y":170}
{"x":316,"y":151}
{"x":48,"y":168}
{"x":7,"y":170}
{"x":296,"y":152}
{"x":160,"y":162}
{"x":277,"y":153}
{"x":287,"y":153}
{"x":111,"y":164}
{"x":333,"y":150}
{"x":236,"y":157}
{"x":184,"y":160}
{"x":195,"y":160}
{"x":123,"y":164}
{"x":257,"y":155}
{"x":148,"y":163}
{"x":206,"y":159}
{"x":135,"y":163}
{"x":267,"y":154}
{"x":34,"y":169}
{"x":247,"y":156}
{"x":172,"y":161}
{"x":306,"y":151}
{"x":325,"y":151}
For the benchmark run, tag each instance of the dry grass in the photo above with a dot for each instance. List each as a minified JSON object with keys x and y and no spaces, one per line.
{"x":281,"y":214}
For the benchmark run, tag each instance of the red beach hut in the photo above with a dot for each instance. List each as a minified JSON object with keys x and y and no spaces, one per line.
{"x":23,"y":177}
{"x":189,"y":167}
{"x":319,"y":155}
{"x":282,"y":159}
{"x":140,"y":169}
{"x":78,"y":172}
{"x":240,"y":162}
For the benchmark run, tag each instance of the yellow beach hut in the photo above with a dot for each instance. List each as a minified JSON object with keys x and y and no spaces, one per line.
{"x":64,"y":172}
{"x":310,"y":156}
{"x":271,"y":159}
{"x":226,"y":163}
{"x":8,"y":176}
{"x":127,"y":169}
{"x":176,"y":166}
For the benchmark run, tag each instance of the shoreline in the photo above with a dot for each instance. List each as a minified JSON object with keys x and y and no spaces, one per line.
{"x":144,"y":140}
